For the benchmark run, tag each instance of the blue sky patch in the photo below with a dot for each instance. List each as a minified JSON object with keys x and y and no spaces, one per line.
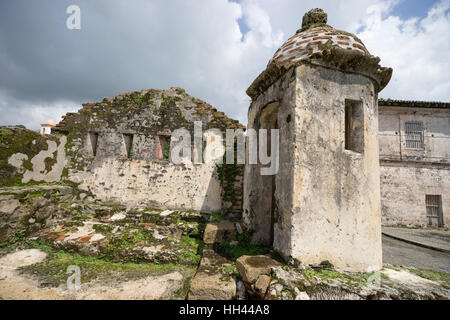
{"x":407,"y":9}
{"x":241,"y":22}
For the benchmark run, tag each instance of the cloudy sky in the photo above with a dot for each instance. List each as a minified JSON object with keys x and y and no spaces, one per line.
{"x":212,"y":48}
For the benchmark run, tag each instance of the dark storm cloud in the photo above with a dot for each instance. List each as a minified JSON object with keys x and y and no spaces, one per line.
{"x":41,"y":59}
{"x":47,"y":70}
{"x":122,"y":46}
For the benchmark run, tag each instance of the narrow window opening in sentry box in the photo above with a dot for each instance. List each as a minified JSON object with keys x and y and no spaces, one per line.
{"x":354,"y":126}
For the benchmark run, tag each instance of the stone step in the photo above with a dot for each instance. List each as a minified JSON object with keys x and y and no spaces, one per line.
{"x":255,"y":272}
{"x":224,"y":231}
{"x":213,"y":280}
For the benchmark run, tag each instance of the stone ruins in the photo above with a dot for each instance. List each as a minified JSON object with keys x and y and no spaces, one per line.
{"x":103,"y":183}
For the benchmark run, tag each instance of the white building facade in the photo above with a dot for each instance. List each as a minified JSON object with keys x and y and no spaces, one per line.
{"x":414,"y":139}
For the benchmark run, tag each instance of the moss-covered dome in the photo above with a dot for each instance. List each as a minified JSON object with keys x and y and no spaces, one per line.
{"x":317,"y":43}
{"x":315,"y":36}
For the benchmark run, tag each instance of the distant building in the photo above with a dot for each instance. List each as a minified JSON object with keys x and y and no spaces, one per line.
{"x":46,"y":127}
{"x":414,"y":140}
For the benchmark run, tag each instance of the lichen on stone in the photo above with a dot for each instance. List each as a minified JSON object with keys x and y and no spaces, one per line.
{"x":313,"y":18}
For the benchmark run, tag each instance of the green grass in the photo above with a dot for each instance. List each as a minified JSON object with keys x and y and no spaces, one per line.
{"x":229,"y":270}
{"x":431,"y":274}
{"x":349,"y":278}
{"x":18,"y":235}
{"x":392,"y":267}
{"x":193,"y":250}
{"x":322,"y":274}
{"x":241,"y":249}
{"x":217,"y":217}
{"x":180,"y":91}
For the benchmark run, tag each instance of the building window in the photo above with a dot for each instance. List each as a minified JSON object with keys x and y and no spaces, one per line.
{"x":434,"y":210}
{"x":163,"y":148}
{"x":93,"y":139}
{"x":414,"y":135}
{"x":129,"y":139}
{"x":354,"y":126}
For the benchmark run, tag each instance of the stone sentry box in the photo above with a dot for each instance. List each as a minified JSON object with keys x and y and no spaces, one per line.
{"x":320,"y":90}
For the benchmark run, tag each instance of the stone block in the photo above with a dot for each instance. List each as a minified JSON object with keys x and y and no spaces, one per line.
{"x":251,"y":267}
{"x":219,"y":232}
{"x":261,"y":285}
{"x":40,"y":202}
{"x":212,"y":286}
{"x":8,"y":207}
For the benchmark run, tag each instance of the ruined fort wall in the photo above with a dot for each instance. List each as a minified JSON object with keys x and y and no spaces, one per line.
{"x":116,"y":152}
{"x":155,"y":184}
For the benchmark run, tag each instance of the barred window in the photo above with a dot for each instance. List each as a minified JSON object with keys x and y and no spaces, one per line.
{"x":414,"y":135}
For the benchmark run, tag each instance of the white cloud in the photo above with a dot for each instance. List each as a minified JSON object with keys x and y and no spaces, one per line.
{"x":46,"y":71}
{"x":259,"y":23}
{"x":417,"y":50}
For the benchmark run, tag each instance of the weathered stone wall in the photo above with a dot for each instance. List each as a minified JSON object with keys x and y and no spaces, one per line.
{"x":336,"y":213}
{"x":154,"y":184}
{"x":408,"y":175}
{"x":26,"y":156}
{"x":403,"y":189}
{"x":232,"y":181}
{"x":327,"y":198}
{"x":141,"y":176}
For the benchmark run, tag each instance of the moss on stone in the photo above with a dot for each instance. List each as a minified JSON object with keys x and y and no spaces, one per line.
{"x":52,"y":272}
{"x":331,"y":56}
{"x":50,"y":162}
{"x":431,"y":274}
{"x":19,"y":140}
{"x":242,"y":248}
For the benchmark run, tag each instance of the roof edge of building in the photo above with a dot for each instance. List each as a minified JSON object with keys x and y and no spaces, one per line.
{"x":413,"y":104}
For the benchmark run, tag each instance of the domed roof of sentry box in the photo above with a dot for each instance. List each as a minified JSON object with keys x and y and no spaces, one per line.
{"x":313,"y":36}
{"x":320,"y":44}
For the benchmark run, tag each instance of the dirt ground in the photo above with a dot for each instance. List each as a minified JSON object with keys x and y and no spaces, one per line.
{"x":14,"y":285}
